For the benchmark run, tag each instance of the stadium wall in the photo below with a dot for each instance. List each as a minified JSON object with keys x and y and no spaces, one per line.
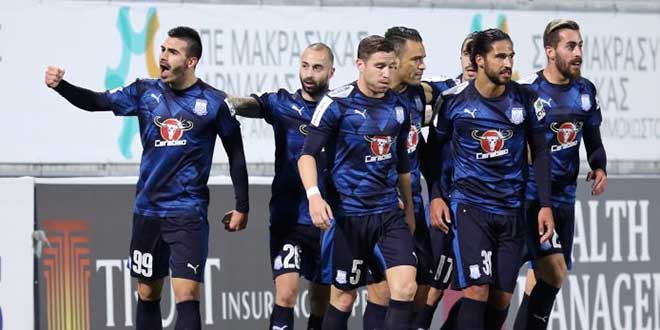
{"x":83,"y":282}
{"x":257,"y":48}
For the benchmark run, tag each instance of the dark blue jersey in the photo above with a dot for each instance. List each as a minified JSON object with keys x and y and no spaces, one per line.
{"x":290,"y":115}
{"x":178,"y":131}
{"x":489,"y":144}
{"x":415,"y":141}
{"x":571,"y":110}
{"x":428,"y":155}
{"x":365,"y":140}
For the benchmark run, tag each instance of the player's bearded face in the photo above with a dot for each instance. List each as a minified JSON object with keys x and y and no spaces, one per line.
{"x":568,"y":54}
{"x":411,"y":64}
{"x":315,"y":72}
{"x":173,"y":60}
{"x":377,"y":71}
{"x":498,"y":64}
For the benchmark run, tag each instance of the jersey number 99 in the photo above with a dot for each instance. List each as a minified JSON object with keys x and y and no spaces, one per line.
{"x":142,"y":263}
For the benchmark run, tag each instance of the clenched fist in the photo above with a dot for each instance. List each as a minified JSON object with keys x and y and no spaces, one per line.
{"x":53,"y":76}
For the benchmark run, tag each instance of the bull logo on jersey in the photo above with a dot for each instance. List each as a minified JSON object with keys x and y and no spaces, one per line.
{"x":492,"y":142}
{"x":413,"y":139}
{"x":171,"y":130}
{"x":566,"y":135}
{"x":380,"y":148}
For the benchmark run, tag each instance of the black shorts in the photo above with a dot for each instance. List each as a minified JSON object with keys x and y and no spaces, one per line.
{"x":295,"y":248}
{"x":487,"y":247}
{"x":353,"y":245}
{"x":562,"y":240}
{"x":443,"y":258}
{"x":423,"y":251}
{"x":179,"y":243}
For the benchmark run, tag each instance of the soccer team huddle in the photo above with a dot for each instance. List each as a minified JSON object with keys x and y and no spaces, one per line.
{"x":500,"y":162}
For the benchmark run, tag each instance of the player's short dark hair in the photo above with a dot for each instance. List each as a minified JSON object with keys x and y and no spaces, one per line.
{"x":483,"y":42}
{"x":551,"y":33}
{"x":373,"y":44}
{"x":398,"y":35}
{"x":191,"y":36}
{"x":321,"y":46}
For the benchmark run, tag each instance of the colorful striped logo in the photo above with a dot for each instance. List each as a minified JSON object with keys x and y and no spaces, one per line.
{"x":133,"y":43}
{"x":66,"y":271}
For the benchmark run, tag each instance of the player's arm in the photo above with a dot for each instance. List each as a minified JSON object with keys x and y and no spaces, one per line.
{"x":80,"y":97}
{"x":433,"y":97}
{"x":441,"y":128}
{"x":323,"y":122}
{"x":596,"y":155}
{"x":230,"y":135}
{"x":122,"y":101}
{"x":597,"y":159}
{"x":541,"y":162}
{"x":249,"y":107}
{"x":403,"y":169}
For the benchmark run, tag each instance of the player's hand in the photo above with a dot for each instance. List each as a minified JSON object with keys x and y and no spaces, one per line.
{"x":599,"y":183}
{"x":546,"y":224}
{"x":235,"y":221}
{"x":440,"y":217}
{"x":320,"y":212}
{"x":53,"y":76}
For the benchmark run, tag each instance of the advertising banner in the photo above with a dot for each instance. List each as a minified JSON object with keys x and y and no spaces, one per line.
{"x":615,"y":282}
{"x":252,"y":49}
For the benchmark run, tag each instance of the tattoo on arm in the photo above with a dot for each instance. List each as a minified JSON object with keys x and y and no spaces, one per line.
{"x":246,"y":106}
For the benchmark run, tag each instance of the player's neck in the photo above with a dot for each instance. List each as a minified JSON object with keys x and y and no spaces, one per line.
{"x":487,"y":88}
{"x":364,"y":89}
{"x":551,"y":74}
{"x":398,"y":85}
{"x":185,"y":82}
{"x":309,"y":97}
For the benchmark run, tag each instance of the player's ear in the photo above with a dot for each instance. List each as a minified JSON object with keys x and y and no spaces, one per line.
{"x":192,"y":62}
{"x":332,"y":72}
{"x":480,"y":60}
{"x":550,"y":53}
{"x":360,"y":65}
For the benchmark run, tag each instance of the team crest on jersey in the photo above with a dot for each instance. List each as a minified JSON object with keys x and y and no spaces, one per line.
{"x":200,"y":107}
{"x":413,"y":138}
{"x":380,"y":148}
{"x":492,"y":142}
{"x":399,"y":114}
{"x":517,"y":116}
{"x":566,"y":135}
{"x":586,"y":102}
{"x":341,"y":277}
{"x":539,"y":109}
{"x":474,"y":272}
{"x":171,"y":130}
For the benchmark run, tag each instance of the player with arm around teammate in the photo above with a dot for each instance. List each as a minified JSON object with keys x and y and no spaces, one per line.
{"x":294,"y":240}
